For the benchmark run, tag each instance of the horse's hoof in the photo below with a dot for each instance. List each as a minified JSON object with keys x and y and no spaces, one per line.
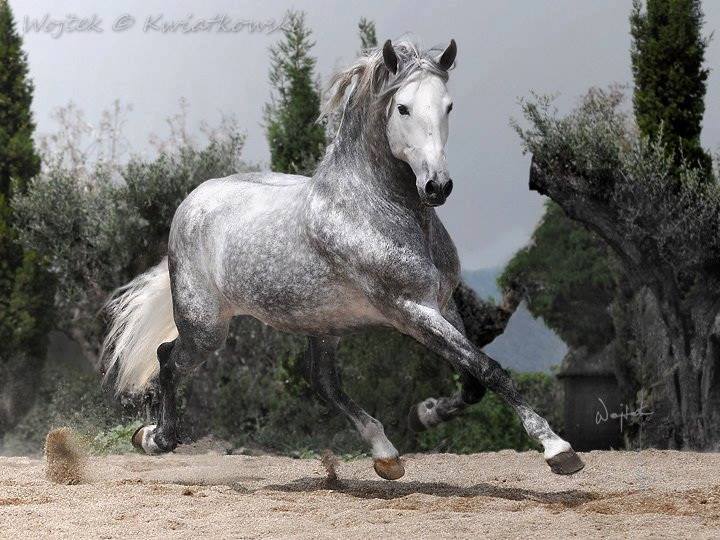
{"x":428,"y":413}
{"x":144,"y":440}
{"x":414,"y":422}
{"x":389,"y":469}
{"x":567,"y":462}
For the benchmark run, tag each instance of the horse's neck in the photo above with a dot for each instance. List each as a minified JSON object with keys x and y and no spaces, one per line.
{"x":359,"y":163}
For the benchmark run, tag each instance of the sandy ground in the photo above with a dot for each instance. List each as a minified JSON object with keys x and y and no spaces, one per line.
{"x":497,"y":495}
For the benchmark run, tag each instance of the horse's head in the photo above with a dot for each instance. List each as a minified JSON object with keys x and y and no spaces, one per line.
{"x":417,"y":123}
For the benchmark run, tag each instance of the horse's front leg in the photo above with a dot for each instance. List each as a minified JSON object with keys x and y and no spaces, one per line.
{"x":322,"y":373}
{"x":432,"y":411}
{"x":429,"y":327}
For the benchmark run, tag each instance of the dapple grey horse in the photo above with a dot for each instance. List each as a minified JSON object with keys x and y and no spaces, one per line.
{"x":357,"y":245}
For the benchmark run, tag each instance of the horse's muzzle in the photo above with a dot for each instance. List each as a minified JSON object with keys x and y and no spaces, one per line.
{"x":436,"y":191}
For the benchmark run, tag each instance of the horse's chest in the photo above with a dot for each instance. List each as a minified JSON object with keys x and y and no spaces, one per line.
{"x":395,"y":259}
{"x":445,"y":259}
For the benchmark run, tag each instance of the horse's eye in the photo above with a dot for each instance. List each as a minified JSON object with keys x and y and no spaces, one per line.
{"x":402,"y":109}
{"x":449,"y":108}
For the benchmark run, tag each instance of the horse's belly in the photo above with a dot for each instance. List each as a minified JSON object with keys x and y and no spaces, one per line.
{"x":304,"y":307}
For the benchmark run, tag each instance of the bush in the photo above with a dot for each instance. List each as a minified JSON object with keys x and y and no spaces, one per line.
{"x":492,"y":425}
{"x":66,"y":397}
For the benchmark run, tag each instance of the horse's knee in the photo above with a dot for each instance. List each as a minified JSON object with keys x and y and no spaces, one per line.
{"x":195,"y":343}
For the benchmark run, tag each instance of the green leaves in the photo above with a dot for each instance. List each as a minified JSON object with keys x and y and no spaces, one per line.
{"x":18,"y":159}
{"x":568,"y":279}
{"x":26,"y":289}
{"x":667,"y":55}
{"x":296,"y":139}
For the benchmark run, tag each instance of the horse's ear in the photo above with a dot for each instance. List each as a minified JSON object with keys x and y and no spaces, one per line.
{"x":447,"y":59}
{"x":390,"y":57}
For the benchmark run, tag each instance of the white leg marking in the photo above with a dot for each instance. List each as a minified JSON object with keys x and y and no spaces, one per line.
{"x":555,"y":446}
{"x":374,"y":435}
{"x":538,"y":428}
{"x":148,"y":440}
{"x":427,"y":413}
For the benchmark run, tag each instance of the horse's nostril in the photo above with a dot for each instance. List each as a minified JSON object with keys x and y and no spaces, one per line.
{"x":432,"y":188}
{"x":447,"y":188}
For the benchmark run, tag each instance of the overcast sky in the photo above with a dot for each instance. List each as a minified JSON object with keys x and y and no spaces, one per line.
{"x":505,"y":50}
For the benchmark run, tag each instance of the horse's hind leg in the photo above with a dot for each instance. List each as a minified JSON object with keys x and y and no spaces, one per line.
{"x":322,"y":373}
{"x":433,"y":411}
{"x":200,"y":332}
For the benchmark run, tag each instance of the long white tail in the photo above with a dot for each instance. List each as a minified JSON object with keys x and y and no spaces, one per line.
{"x":141,"y":316}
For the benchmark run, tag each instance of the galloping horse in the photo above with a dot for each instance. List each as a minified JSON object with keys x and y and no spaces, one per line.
{"x":359,"y":244}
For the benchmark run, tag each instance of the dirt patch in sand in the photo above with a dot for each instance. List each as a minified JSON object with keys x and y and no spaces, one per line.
{"x":500,"y":495}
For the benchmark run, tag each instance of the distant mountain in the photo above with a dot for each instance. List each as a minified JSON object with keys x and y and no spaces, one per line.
{"x":527,"y":343}
{"x":484,"y":281}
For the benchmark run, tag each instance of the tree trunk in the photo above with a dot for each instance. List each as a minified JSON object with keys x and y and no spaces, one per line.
{"x":670,"y":332}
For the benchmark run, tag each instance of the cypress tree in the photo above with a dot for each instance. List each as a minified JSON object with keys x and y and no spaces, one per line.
{"x":26,"y":291}
{"x":17,"y":154}
{"x":296,"y":140}
{"x":667,"y":55}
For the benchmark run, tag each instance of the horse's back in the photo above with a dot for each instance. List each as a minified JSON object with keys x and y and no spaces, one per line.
{"x":217,"y":190}
{"x":237,"y":192}
{"x":268,"y":178}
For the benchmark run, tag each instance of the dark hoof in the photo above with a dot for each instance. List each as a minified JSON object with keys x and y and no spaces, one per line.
{"x":414,"y":422}
{"x":137,"y":438}
{"x":389,"y":469}
{"x":566,"y":463}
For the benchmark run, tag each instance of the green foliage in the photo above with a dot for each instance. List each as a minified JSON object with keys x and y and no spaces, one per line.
{"x":99,"y":235}
{"x":18,"y":159}
{"x":670,"y":81}
{"x":663,"y":222}
{"x":26,"y":290}
{"x":566,"y":274}
{"x":565,"y":270}
{"x":296,"y":139}
{"x":116,"y":440}
{"x":251,"y":393}
{"x":486,"y":427}
{"x":674,"y":212}
{"x":66,"y":397}
{"x":492,"y":425}
{"x":25,"y":306}
{"x":245,"y":395}
{"x":368,"y":37}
